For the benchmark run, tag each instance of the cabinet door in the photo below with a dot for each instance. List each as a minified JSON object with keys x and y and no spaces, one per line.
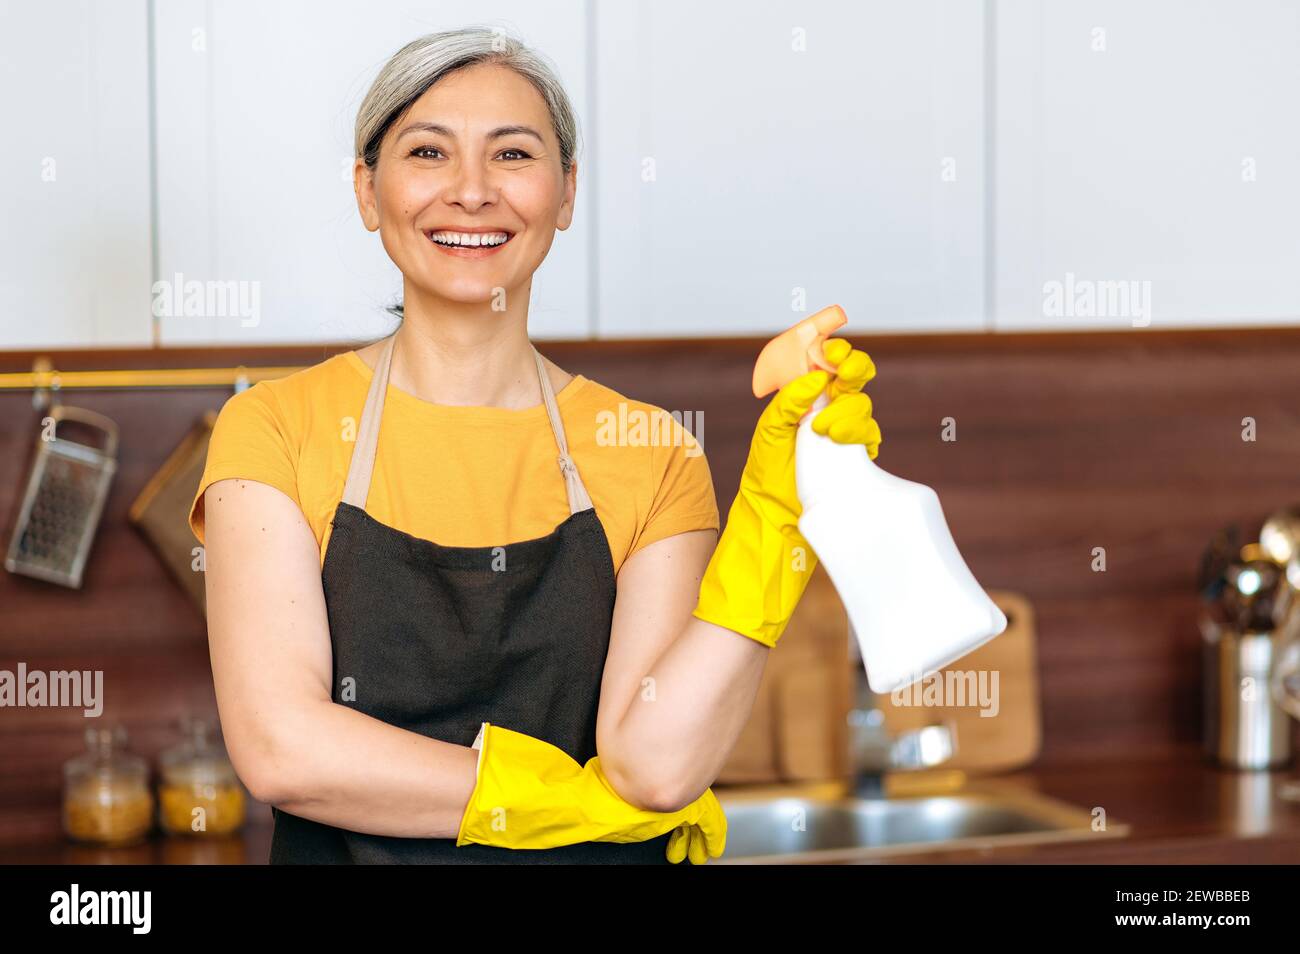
{"x":74,"y":174}
{"x":1146,"y":164}
{"x":759,"y":161}
{"x":256,"y":107}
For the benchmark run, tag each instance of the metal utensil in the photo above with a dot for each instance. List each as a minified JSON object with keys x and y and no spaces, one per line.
{"x":1285,"y":682}
{"x":64,"y":499}
{"x":1244,"y":725}
{"x":1280,"y":536}
{"x":1256,"y":595}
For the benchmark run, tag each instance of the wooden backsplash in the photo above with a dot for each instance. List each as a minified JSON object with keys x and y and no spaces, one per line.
{"x":1127,"y":441}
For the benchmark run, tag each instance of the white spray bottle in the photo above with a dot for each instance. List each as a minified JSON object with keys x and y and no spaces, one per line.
{"x":912,"y":602}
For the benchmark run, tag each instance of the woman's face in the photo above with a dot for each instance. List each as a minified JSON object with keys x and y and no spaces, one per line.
{"x":475,"y":153}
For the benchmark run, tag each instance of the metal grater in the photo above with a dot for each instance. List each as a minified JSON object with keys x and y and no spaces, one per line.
{"x":64,"y":499}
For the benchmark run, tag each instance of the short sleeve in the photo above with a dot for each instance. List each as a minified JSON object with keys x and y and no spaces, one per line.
{"x":683,"y":498}
{"x":249,"y":440}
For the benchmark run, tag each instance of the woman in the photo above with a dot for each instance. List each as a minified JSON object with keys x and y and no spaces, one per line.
{"x":433,"y":637}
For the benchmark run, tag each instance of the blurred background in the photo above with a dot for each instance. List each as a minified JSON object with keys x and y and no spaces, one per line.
{"x":1068,"y":233}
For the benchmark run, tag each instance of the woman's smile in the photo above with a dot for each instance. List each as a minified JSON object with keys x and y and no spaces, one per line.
{"x":473,"y":244}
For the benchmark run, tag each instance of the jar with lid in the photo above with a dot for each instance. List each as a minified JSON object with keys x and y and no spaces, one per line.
{"x":198,"y":792}
{"x":106,"y":797}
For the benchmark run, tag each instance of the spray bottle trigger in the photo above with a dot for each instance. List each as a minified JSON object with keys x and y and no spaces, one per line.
{"x":796,"y":351}
{"x":817,"y":357}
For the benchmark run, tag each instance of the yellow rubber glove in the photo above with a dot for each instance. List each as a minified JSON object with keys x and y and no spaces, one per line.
{"x":762,"y":563}
{"x":531,"y":794}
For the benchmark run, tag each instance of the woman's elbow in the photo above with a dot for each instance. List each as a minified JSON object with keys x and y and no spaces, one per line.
{"x":265,"y":765}
{"x":261,"y":784}
{"x":645,"y":786}
{"x":674,"y":796}
{"x":268,"y":783}
{"x":635,"y":788}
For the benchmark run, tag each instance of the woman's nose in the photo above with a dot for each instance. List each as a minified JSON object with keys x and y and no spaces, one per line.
{"x":471,"y":185}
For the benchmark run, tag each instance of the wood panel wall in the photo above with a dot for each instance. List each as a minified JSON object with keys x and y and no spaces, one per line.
{"x":1128,"y":441}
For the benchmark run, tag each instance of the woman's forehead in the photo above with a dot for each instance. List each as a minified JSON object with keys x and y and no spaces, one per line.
{"x":485,"y":94}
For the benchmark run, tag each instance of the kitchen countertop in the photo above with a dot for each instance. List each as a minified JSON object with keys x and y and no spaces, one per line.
{"x":1181,"y":810}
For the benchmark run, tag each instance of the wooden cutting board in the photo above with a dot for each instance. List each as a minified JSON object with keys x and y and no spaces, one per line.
{"x":1011,"y":736}
{"x":797,"y":729}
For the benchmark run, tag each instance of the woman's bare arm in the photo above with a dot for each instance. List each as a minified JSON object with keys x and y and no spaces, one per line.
{"x":269,"y":640}
{"x":677,"y":691}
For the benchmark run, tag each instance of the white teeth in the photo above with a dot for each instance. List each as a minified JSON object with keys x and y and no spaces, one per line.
{"x":470,"y":239}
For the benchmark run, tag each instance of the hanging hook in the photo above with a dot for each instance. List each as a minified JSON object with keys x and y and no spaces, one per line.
{"x":42,"y":397}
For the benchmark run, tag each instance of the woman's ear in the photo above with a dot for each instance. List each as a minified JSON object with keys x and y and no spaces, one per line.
{"x":565,"y":217}
{"x":363,"y":183}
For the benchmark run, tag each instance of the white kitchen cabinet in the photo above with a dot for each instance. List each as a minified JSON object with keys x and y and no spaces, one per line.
{"x":937,"y":165}
{"x":256,"y":103}
{"x":74,"y":174}
{"x":1146,"y":158}
{"x":748,"y":151}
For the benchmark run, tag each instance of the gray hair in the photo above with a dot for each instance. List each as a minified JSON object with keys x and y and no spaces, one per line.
{"x":414,"y":68}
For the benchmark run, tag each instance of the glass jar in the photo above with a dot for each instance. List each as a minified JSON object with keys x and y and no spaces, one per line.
{"x":198,"y":792}
{"x":106,"y":798}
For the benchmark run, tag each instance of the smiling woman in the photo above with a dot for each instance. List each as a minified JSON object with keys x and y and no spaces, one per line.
{"x":479,"y":114}
{"x":450,"y":620}
{"x":432,"y":690}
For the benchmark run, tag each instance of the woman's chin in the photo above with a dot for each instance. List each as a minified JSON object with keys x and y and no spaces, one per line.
{"x":468,"y":293}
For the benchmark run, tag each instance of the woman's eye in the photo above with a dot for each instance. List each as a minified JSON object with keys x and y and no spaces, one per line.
{"x":423,"y":152}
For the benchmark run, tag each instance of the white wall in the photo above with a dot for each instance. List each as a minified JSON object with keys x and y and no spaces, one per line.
{"x":255,"y":159}
{"x":1154,"y":146}
{"x":74,"y":174}
{"x":932,"y":165}
{"x":751,"y":153}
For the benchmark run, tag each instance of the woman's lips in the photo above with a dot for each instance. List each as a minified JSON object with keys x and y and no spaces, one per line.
{"x":470,"y":251}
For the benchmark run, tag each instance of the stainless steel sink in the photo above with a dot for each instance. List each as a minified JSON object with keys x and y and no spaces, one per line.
{"x":899,"y":799}
{"x":825,"y":822}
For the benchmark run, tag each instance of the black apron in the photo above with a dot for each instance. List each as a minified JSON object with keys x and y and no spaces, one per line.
{"x":439,"y":640}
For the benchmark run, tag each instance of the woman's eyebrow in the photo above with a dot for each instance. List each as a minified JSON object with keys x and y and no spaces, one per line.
{"x":497,"y":133}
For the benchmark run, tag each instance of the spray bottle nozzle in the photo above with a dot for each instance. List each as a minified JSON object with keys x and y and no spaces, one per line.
{"x":796,"y":351}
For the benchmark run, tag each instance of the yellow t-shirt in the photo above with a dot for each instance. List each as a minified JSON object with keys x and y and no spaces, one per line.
{"x":464,"y":476}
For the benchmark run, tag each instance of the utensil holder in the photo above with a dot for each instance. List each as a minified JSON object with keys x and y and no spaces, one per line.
{"x":1244,"y":727}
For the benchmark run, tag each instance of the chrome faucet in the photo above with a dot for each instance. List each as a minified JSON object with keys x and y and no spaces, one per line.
{"x":873,"y":751}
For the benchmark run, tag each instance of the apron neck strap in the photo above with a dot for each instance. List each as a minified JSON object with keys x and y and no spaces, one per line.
{"x":361,"y":469}
{"x":577,"y":491}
